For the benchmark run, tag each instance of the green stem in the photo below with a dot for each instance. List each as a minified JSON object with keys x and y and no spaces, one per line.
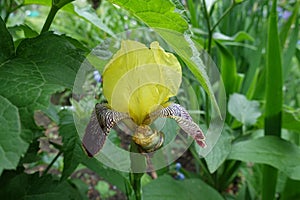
{"x":50,"y":18}
{"x":56,"y":5}
{"x":207,"y":109}
{"x":206,"y":15}
{"x":52,"y":162}
{"x":223,"y":15}
{"x":207,"y":99}
{"x":135,"y":178}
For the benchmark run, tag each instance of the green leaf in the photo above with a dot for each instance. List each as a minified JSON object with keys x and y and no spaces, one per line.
{"x":88,"y":14}
{"x":274,"y":81}
{"x":228,"y":69}
{"x":167,"y":188}
{"x":286,"y":28}
{"x":155,"y":13}
{"x":220,"y":151}
{"x":243,"y":110}
{"x":273,"y":97}
{"x":291,"y":120}
{"x":291,"y":190}
{"x":42,"y":66}
{"x":270,"y":150}
{"x":12,"y":147}
{"x":291,"y":44}
{"x":6,"y":45}
{"x":81,"y":186}
{"x":25,"y":186}
{"x":238,"y":37}
{"x":20,"y":32}
{"x":73,"y":153}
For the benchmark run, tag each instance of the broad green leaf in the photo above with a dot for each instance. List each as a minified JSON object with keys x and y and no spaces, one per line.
{"x":42,"y":66}
{"x":243,"y":110}
{"x":155,"y":13}
{"x":270,"y":150}
{"x":81,"y":186}
{"x":167,"y":188}
{"x":6,"y":45}
{"x":22,"y":31}
{"x":12,"y":147}
{"x":291,"y":120}
{"x":220,"y":151}
{"x":32,"y":186}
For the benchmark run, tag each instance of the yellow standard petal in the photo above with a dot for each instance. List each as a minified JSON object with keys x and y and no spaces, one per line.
{"x":138,"y":79}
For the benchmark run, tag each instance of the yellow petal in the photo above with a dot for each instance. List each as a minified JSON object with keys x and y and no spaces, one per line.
{"x":138,"y":79}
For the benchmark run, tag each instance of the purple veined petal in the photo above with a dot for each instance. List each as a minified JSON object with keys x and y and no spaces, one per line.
{"x":183,"y":119}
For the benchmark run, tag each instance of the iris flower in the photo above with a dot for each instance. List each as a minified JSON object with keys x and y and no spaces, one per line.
{"x":137,"y":83}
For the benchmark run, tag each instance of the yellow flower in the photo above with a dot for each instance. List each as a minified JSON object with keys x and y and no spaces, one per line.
{"x":138,"y":79}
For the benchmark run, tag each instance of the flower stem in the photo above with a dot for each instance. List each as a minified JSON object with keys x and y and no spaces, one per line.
{"x":52,"y":162}
{"x":56,"y":5}
{"x":135,"y":178}
{"x":50,"y":18}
